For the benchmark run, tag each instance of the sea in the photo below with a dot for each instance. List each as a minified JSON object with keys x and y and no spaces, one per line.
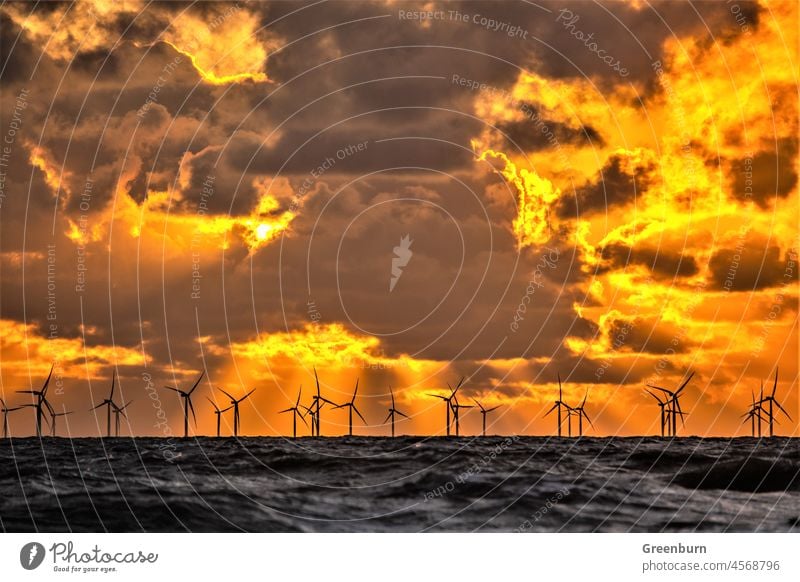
{"x":404,"y":484}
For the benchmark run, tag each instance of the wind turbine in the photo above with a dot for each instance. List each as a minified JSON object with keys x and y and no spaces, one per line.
{"x":217,"y":411}
{"x":448,"y":400}
{"x":393,"y":411}
{"x":117,"y":411}
{"x":484,"y":412}
{"x":557,"y":406}
{"x":5,"y":410}
{"x":317,"y":403}
{"x":674,"y":405}
{"x":235,"y":405}
{"x":352,"y":406}
{"x":582,"y":414}
{"x":187,"y":404}
{"x":755,"y":412}
{"x":456,"y":407}
{"x":772,"y":401}
{"x":41,"y":401}
{"x":295,"y":410}
{"x":664,"y":414}
{"x":53,"y":419}
{"x":109,"y":402}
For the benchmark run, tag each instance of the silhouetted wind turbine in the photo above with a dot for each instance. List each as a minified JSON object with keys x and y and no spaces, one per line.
{"x":295,"y":410}
{"x":235,"y":406}
{"x":393,"y":411}
{"x":187,"y":404}
{"x":118,"y":410}
{"x":664,"y":415}
{"x":41,"y":401}
{"x":317,"y":403}
{"x":56,"y":415}
{"x":5,"y":410}
{"x":557,"y":406}
{"x":673,"y":404}
{"x":484,"y":412}
{"x":352,"y":408}
{"x":448,"y":400}
{"x":217,"y":411}
{"x":755,"y":412}
{"x":582,"y":414}
{"x":771,"y":400}
{"x":109,"y":402}
{"x":456,"y":407}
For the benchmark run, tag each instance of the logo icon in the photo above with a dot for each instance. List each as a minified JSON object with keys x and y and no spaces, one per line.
{"x":402,"y":256}
{"x":31,"y":555}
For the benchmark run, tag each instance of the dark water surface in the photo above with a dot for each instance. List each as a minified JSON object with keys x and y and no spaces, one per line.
{"x":364,"y":484}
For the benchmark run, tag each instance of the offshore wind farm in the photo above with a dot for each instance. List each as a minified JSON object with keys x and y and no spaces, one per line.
{"x":388,"y":266}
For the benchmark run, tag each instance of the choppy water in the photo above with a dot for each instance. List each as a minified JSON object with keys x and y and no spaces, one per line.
{"x":403,"y":484}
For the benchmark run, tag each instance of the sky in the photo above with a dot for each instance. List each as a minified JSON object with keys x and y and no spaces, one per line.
{"x":403,"y":194}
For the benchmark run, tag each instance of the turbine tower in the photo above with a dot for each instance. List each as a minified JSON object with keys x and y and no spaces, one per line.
{"x":352,"y":408}
{"x":187,"y":404}
{"x":392,"y":411}
{"x":295,"y":410}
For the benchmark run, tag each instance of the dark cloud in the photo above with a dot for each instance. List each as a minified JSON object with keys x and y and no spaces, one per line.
{"x":531,"y":133}
{"x":766,"y":176}
{"x":663,"y":262}
{"x":753,"y":265}
{"x":613,"y":186}
{"x":639,"y":335}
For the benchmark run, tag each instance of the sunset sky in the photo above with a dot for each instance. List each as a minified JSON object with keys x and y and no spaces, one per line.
{"x":605,"y":191}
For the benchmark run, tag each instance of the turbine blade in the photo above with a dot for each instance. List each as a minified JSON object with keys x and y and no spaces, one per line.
{"x":775,"y":385}
{"x":213,"y":404}
{"x":50,"y":375}
{"x":359,"y":415}
{"x":203,"y":373}
{"x":388,"y":416}
{"x":782,"y":409}
{"x":247,"y":395}
{"x":355,"y":391}
{"x":551,"y":410}
{"x":226,"y":394}
{"x":191,"y":407}
{"x":400,"y":413}
{"x":299,"y":393}
{"x":174,"y":389}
